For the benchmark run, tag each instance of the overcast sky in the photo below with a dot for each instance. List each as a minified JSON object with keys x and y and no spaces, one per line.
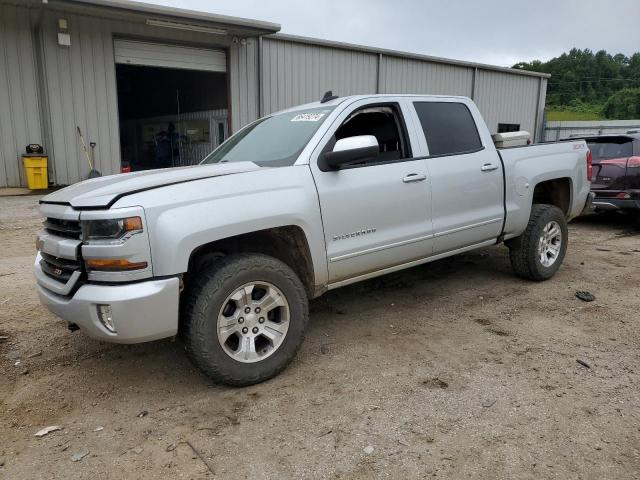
{"x":488,"y":31}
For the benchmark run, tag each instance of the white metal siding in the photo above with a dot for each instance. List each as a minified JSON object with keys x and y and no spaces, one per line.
{"x":81,"y":88}
{"x":134,"y":52}
{"x":20,"y":121}
{"x":243,"y":83}
{"x":295,"y":73}
{"x":405,"y":75}
{"x":507,"y":98}
{"x":81,"y":91}
{"x":79,"y":83}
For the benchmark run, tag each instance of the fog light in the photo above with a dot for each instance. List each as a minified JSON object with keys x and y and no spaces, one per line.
{"x":106,"y":317}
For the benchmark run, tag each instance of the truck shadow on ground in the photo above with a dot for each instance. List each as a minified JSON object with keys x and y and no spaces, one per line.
{"x":164,"y":362}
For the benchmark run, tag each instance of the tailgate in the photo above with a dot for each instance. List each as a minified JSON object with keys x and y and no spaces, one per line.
{"x":611,"y":155}
{"x":609,"y":174}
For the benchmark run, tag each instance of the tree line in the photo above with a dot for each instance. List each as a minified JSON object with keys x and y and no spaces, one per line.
{"x":583,"y":79}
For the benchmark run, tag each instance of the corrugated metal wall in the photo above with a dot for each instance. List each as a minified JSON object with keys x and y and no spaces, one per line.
{"x":243,"y":82}
{"x":406,"y":75}
{"x":20,"y":120}
{"x":507,"y":98}
{"x":295,"y":73}
{"x":78,"y":83}
{"x":81,"y":87}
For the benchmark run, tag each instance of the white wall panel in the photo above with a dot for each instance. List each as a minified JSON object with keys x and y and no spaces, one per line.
{"x":81,"y":87}
{"x":78,"y":83}
{"x":507,"y":98}
{"x":406,"y":75}
{"x":295,"y":73}
{"x":243,"y":82}
{"x":20,"y":120}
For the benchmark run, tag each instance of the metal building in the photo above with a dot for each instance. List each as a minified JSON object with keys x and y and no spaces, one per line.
{"x":154,"y":86}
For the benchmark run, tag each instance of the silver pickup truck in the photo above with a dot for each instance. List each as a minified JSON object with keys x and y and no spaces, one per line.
{"x":227,"y":253}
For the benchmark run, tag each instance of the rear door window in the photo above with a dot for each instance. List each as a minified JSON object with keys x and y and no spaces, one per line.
{"x":448,"y":127}
{"x":610,"y":148}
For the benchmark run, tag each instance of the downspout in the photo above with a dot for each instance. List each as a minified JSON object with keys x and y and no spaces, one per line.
{"x":37,"y":31}
{"x":260,"y":78}
{"x":536,"y":125}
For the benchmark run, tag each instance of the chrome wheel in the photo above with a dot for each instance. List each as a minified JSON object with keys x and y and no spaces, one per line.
{"x":253,"y":322}
{"x":550,"y":243}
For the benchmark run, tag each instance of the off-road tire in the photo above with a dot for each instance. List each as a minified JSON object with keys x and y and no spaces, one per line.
{"x":203,"y":302}
{"x":523,"y":250}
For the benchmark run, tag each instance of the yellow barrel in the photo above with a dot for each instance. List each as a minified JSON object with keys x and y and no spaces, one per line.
{"x":36,"y":167}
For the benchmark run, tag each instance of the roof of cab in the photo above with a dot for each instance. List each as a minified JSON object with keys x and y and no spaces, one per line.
{"x":337,"y":101}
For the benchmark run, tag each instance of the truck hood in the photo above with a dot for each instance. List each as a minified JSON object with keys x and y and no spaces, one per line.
{"x":103,"y":192}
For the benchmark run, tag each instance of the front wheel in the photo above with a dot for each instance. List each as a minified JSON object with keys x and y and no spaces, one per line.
{"x":538,"y":253}
{"x":244,"y":319}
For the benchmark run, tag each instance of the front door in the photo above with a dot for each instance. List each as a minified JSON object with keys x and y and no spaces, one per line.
{"x":376,"y":214}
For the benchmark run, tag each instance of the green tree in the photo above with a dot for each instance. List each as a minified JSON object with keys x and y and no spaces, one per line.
{"x":586,"y":79}
{"x":623,"y":105}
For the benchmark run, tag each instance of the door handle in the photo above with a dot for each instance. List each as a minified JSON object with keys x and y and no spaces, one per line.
{"x":414,"y":177}
{"x":489,"y":167}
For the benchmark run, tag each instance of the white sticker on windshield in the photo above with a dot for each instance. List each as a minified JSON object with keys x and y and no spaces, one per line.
{"x":307,"y":117}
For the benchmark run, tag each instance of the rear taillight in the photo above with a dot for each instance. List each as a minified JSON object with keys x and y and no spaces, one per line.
{"x":623,"y":196}
{"x":589,"y":165}
{"x":634,"y":162}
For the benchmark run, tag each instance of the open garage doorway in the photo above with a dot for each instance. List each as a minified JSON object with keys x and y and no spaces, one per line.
{"x":172,"y":104}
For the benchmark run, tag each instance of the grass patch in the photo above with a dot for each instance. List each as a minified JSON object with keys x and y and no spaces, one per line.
{"x":575,"y":111}
{"x":567,"y":115}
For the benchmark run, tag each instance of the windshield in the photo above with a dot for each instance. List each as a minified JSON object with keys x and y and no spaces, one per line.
{"x":610,"y":148}
{"x":273,"y":141}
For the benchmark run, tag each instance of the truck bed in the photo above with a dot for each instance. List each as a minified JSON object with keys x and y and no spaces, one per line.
{"x":529,"y":165}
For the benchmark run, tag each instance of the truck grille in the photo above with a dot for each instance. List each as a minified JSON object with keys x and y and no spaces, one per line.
{"x":63,"y":228}
{"x":59,"y":269}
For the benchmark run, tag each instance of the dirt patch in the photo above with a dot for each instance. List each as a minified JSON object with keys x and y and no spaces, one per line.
{"x":435,"y":383}
{"x":399,"y":377}
{"x":483,"y":321}
{"x":498,"y":331}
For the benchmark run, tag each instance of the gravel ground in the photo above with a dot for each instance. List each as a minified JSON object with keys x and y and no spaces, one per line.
{"x":454,"y":369}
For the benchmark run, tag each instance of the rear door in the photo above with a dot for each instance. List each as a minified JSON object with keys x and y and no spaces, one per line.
{"x":466,"y":173}
{"x":376,"y":214}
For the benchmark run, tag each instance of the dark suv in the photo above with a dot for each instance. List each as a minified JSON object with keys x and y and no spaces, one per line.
{"x":616,"y":171}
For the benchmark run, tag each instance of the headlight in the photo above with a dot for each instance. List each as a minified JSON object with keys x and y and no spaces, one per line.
{"x":115,"y":230}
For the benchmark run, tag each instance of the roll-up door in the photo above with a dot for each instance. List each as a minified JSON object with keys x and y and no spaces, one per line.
{"x":133,"y":52}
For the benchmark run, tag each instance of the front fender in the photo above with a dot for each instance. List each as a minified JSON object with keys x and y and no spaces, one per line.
{"x":185,"y":216}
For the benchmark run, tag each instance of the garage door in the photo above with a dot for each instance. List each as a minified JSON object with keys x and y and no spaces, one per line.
{"x":132,"y":52}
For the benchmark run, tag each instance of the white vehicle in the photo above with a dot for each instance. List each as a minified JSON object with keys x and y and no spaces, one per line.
{"x":228,"y":253}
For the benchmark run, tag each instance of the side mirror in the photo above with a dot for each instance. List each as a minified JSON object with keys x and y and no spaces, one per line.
{"x":350,"y":150}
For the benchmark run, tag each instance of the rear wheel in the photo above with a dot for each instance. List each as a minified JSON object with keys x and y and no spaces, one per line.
{"x":538,"y":253}
{"x":244,"y":319}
